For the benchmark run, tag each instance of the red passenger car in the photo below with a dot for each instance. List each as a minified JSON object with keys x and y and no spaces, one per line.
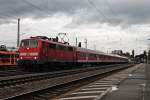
{"x":49,"y":52}
{"x":7,"y":58}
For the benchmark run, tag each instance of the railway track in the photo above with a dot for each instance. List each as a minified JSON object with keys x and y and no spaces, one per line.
{"x":5,"y":72}
{"x":17,"y":86}
{"x":13,"y":71}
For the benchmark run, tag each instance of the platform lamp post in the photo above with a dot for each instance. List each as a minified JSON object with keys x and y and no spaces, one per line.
{"x":85,"y":43}
{"x":148,"y":57}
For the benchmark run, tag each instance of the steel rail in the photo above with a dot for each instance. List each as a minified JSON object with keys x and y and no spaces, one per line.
{"x":6,"y":81}
{"x":17,"y":86}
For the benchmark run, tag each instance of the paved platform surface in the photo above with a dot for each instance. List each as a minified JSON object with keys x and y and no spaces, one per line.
{"x":135,"y":87}
{"x":98,"y":89}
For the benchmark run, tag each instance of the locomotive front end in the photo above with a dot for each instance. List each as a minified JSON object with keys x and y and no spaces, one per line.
{"x":28,"y":52}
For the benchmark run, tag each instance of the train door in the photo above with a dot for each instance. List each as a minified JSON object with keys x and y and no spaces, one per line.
{"x":71,"y":56}
{"x":45,"y":51}
{"x":75,"y":55}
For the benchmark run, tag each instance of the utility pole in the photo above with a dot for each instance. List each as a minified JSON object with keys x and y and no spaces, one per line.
{"x":94,"y":47}
{"x":148,"y":57}
{"x":76,"y":42}
{"x":86,"y":43}
{"x":18,"y":33}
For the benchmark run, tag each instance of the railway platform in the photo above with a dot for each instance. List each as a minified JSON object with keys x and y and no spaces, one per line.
{"x":135,"y":87}
{"x":103,"y":88}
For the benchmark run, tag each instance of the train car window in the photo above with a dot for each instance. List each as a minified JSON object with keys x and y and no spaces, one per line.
{"x":52,"y":46}
{"x":89,"y":55}
{"x":70,"y":49}
{"x":92,"y":55}
{"x":83,"y":55}
{"x":4,"y":55}
{"x":62,"y":48}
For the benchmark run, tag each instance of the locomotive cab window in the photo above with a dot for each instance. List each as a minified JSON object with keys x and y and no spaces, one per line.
{"x":24,"y":43}
{"x":33,"y":43}
{"x":29,"y":43}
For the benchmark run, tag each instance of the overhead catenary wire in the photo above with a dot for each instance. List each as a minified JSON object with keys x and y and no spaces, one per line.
{"x":4,"y":15}
{"x":42,"y":10}
{"x":99,"y":11}
{"x":9,"y":14}
{"x":110,"y":7}
{"x":35,"y":7}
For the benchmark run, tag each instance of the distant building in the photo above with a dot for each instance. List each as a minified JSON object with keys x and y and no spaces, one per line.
{"x":5,"y":48}
{"x":118,"y":52}
{"x":121,"y":53}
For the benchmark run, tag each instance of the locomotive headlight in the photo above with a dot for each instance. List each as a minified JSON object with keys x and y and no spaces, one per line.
{"x":20,"y":57}
{"x":35,"y":58}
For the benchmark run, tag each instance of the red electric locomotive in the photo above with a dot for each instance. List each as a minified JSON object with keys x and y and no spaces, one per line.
{"x":40,"y":50}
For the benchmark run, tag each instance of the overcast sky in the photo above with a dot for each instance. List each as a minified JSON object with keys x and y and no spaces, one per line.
{"x":106,"y":24}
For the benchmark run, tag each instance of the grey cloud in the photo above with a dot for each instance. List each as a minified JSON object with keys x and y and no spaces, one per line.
{"x":114,"y":12}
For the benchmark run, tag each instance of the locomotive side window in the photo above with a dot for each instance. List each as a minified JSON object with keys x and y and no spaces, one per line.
{"x":52,"y":46}
{"x":44,"y":45}
{"x":62,"y":48}
{"x":70,"y":49}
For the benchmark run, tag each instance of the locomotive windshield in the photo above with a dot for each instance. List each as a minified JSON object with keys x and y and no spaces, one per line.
{"x":29,"y":43}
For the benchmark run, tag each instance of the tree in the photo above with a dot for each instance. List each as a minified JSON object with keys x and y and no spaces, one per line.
{"x":132,"y":54}
{"x":145,"y":53}
{"x":127,"y":54}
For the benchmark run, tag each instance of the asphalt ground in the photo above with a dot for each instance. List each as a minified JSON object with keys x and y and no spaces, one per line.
{"x":135,"y":87}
